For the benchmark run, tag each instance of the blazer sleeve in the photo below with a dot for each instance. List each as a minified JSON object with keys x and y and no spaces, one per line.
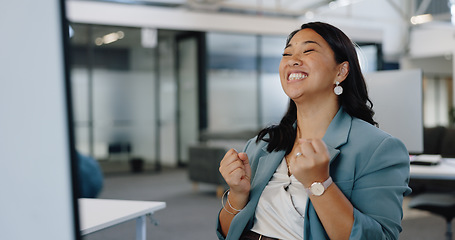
{"x":218,"y":228}
{"x":378,"y":192}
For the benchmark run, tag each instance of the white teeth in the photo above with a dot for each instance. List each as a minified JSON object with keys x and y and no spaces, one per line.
{"x":297,"y":76}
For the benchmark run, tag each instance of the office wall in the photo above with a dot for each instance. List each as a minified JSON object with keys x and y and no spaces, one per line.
{"x":432,"y":48}
{"x":437,"y":40}
{"x":35,"y":172}
{"x":438,"y":96}
{"x":438,"y":86}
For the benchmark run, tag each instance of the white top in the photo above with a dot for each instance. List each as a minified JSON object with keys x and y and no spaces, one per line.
{"x":281,"y":207}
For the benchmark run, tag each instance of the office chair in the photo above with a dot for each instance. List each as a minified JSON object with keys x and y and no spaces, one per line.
{"x":448,"y":143}
{"x":442,"y":204}
{"x":432,"y":139}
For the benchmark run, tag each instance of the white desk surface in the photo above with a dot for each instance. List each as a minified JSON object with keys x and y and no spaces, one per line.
{"x":445,"y":170}
{"x":96,"y":214}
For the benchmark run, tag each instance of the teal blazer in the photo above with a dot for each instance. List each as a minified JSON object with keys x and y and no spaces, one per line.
{"x":368,"y":165}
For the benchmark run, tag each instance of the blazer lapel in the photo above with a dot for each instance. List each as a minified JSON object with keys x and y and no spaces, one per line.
{"x":335,"y":136}
{"x":266,"y":167}
{"x":337,"y":133}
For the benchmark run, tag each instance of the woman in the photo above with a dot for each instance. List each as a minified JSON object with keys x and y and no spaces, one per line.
{"x":325,"y":171}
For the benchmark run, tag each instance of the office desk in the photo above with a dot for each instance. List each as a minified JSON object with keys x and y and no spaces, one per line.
{"x":445,"y":170}
{"x":97,"y":214}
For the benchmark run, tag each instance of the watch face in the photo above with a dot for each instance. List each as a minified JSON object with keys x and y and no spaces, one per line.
{"x":317,"y":189}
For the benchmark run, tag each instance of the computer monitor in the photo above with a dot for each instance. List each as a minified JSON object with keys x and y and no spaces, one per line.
{"x":38,"y":193}
{"x":398,"y":105}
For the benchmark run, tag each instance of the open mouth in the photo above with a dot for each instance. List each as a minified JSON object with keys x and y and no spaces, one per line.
{"x":297,"y":76}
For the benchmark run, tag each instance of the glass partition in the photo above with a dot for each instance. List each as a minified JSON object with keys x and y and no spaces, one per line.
{"x":114,"y":81}
{"x":232,"y":82}
{"x":274,"y":101}
{"x":167,"y":105}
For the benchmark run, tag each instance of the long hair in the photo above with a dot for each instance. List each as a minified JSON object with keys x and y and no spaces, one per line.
{"x":354,"y":100}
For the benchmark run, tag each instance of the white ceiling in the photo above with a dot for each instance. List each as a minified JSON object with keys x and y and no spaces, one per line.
{"x":290,"y":8}
{"x":299,"y":8}
{"x":382,"y":21}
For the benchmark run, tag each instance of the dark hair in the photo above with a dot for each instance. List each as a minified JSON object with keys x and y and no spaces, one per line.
{"x":354,"y":100}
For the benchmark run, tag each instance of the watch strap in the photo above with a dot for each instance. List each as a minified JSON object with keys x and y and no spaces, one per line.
{"x":325,"y":184}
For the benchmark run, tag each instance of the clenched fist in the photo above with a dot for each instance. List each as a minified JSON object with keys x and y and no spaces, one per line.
{"x":236,"y":171}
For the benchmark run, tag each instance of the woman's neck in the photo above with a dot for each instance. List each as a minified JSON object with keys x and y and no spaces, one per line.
{"x":313,"y":121}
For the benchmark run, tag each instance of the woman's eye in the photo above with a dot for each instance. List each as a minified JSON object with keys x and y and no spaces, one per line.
{"x":309,"y":50}
{"x":286,"y":54}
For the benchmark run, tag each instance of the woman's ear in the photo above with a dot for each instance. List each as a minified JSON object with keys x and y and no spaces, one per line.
{"x":343,"y":71}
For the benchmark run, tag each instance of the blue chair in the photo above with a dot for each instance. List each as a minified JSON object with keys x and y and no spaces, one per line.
{"x":90,"y":177}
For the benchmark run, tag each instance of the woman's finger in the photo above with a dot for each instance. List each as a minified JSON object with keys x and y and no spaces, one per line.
{"x":228,"y":158}
{"x":246,"y":164}
{"x":306,"y":148}
{"x":237,"y":164}
{"x":319,"y":146}
{"x":230,"y":155}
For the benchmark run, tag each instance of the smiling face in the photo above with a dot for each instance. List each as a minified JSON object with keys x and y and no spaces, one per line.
{"x":308,"y":70}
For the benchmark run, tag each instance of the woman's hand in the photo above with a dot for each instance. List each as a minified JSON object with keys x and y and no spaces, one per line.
{"x":312,"y":164}
{"x":334,"y":210}
{"x":236,"y":171}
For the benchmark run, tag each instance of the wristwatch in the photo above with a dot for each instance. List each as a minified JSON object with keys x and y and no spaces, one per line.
{"x":318,"y":188}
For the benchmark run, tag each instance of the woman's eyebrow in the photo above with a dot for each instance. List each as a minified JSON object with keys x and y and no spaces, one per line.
{"x":308,"y":42}
{"x":304,"y":43}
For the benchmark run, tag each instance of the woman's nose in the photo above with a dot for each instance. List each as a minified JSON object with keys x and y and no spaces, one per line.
{"x":295,"y":62}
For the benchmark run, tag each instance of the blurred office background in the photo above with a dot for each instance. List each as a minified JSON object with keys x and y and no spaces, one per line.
{"x":157,"y":90}
{"x":151,"y":79}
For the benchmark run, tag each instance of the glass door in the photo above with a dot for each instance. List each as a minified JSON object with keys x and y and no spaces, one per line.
{"x":190,"y":94}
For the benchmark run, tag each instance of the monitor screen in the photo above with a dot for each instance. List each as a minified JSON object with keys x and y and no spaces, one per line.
{"x":398,"y":105}
{"x":36,"y":177}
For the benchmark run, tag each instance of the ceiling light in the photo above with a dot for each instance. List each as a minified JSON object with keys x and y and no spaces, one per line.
{"x":109,"y":38}
{"x":420,"y":19}
{"x":309,"y":15}
{"x":341,"y":3}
